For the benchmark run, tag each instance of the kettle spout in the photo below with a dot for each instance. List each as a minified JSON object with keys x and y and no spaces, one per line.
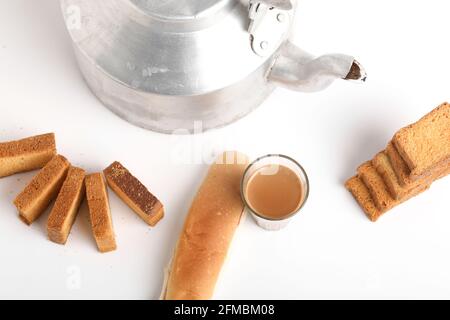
{"x":357,"y":72}
{"x":298,"y":70}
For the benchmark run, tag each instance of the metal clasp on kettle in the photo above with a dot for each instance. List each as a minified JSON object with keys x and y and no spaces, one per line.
{"x":270,"y":24}
{"x":294,"y":68}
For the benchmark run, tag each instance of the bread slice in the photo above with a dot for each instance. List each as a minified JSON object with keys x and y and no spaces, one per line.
{"x":100,"y":214}
{"x":44,"y":187}
{"x":66,"y":206}
{"x":426,"y":143}
{"x":362,"y":195}
{"x":377,"y":188}
{"x":26,"y":154}
{"x":134,"y":193}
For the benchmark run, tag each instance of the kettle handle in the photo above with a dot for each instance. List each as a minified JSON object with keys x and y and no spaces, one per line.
{"x":296,"y":69}
{"x":280,"y":4}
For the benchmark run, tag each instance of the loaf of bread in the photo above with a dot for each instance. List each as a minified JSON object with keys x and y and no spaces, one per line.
{"x":26,"y":154}
{"x":208,"y":231}
{"x":66,"y":207}
{"x":134,"y":193}
{"x":42,"y":189}
{"x":99,"y":212}
{"x":426,"y":143}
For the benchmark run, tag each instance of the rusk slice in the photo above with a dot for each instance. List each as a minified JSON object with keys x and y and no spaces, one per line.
{"x":377,"y":187}
{"x":426,"y":143}
{"x":445,"y":172}
{"x":134,"y":193}
{"x":362,"y":195}
{"x":66,"y":206}
{"x":379,"y":191}
{"x":44,"y":187}
{"x":384,"y":168}
{"x":100,"y":214}
{"x":403,"y":173}
{"x":399,"y":165}
{"x":26,"y":154}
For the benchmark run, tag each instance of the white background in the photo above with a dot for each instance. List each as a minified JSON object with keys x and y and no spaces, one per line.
{"x":330,"y":251}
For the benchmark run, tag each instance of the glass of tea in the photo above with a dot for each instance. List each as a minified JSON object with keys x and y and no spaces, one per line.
{"x":274,"y":189}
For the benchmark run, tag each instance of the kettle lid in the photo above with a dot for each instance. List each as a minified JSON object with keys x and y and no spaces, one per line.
{"x":179,"y":9}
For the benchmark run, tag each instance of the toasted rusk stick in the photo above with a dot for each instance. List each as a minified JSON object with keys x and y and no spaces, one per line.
{"x":100,"y":214}
{"x":134,"y":193}
{"x":66,"y":206}
{"x":26,"y":154}
{"x":44,"y":187}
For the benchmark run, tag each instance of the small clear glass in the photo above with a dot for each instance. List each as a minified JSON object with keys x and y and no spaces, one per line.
{"x":274,"y":160}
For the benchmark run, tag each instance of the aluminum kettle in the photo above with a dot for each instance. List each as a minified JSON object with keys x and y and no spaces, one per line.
{"x":168,"y":65}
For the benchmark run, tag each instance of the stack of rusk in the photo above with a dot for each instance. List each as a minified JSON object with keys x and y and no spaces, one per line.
{"x":68,"y":185}
{"x":418,"y":155}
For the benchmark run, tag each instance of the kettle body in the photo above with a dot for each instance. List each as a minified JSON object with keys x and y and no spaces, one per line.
{"x":170,"y":66}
